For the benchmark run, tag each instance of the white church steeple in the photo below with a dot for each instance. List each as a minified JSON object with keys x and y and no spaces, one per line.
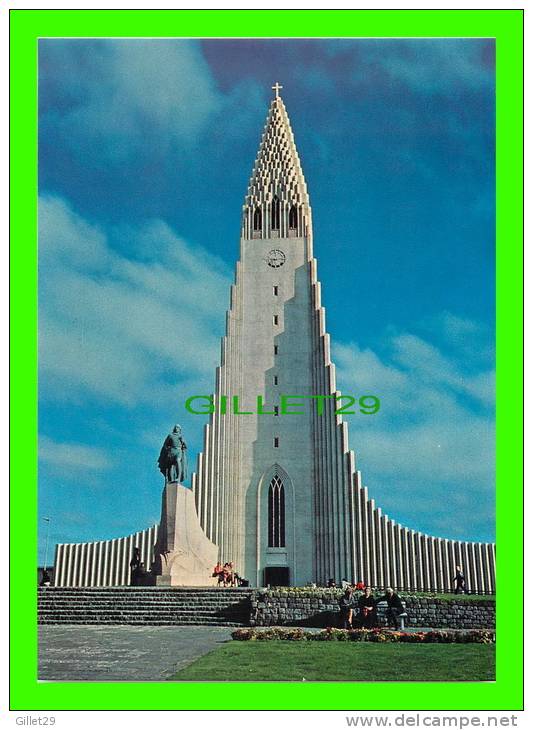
{"x":277,"y":202}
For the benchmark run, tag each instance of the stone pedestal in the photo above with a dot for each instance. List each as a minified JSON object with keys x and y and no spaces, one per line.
{"x":184,"y":556}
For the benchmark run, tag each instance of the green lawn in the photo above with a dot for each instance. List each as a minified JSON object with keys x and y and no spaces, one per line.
{"x":313,"y":660}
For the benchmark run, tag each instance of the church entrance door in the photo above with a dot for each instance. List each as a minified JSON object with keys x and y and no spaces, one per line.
{"x":275,"y":576}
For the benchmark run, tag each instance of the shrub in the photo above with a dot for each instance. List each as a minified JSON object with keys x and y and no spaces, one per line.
{"x":439,"y":637}
{"x":473,"y":636}
{"x":243,"y":634}
{"x":334,"y":634}
{"x":414,"y":637}
{"x":476,"y":636}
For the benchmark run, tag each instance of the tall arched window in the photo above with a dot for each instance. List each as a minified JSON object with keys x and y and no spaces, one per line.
{"x":275,"y":214}
{"x":258,"y":219}
{"x":276,"y":513}
{"x":293,"y":217}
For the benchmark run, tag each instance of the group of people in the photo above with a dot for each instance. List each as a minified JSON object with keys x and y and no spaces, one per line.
{"x":362,"y":611}
{"x":226,"y":576}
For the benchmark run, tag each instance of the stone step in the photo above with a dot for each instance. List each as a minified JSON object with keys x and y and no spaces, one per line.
{"x":145,"y":599}
{"x":145,"y":606}
{"x":170,"y":606}
{"x":120,"y":612}
{"x":156,"y":594}
{"x":144,"y":619}
{"x":139,"y":601}
{"x":160,"y":620}
{"x":122,"y":597}
{"x":96,"y":612}
{"x":146,"y":609}
{"x":147,"y":590}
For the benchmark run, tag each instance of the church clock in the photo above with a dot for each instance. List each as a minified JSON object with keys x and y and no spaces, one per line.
{"x":275,"y":258}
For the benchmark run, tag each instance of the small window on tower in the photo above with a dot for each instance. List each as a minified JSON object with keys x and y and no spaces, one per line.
{"x":275,"y":291}
{"x":258,"y":219}
{"x":276,"y":410}
{"x":293,"y":217}
{"x":276,"y":319}
{"x":275,"y":349}
{"x":275,"y":214}
{"x":276,"y":442}
{"x":275,"y":379}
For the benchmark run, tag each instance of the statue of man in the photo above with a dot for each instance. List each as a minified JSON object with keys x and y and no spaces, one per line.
{"x":172,"y":460}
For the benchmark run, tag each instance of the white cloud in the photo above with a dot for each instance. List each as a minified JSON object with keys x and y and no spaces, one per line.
{"x":68,"y":456}
{"x":473,"y":340}
{"x":432,"y":443}
{"x":127,"y":90}
{"x":423,"y":64}
{"x":119,"y":328}
{"x":432,"y":367}
{"x":428,"y":64}
{"x":66,"y":239}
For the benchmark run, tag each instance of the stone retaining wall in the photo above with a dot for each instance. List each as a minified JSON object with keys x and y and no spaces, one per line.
{"x":320,"y":608}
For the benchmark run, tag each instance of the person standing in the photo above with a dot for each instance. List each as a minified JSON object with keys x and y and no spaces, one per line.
{"x":134,"y":566}
{"x":459,"y":580}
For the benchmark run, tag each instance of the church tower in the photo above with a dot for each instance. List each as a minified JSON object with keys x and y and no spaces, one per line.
{"x":273,"y":489}
{"x":279,"y":493}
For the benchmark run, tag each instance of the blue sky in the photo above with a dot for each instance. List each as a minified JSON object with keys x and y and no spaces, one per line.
{"x":145,"y":151}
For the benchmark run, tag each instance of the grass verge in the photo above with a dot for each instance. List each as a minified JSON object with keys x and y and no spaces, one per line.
{"x":338,"y":661}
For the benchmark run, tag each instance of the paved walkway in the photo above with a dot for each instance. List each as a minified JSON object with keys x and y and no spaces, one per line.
{"x":122,"y":653}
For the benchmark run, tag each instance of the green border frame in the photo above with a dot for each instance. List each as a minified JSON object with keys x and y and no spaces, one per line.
{"x":26,"y":26}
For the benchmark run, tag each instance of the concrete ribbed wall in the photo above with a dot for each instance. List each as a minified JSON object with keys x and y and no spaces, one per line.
{"x":102,"y":563}
{"x":384,"y":553}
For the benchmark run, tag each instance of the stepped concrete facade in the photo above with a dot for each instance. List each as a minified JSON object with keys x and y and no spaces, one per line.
{"x":280,"y":494}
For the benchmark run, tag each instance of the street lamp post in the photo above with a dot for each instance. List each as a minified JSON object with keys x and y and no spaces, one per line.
{"x":47,"y":520}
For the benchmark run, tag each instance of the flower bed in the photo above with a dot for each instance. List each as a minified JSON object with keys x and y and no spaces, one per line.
{"x":473,"y":636}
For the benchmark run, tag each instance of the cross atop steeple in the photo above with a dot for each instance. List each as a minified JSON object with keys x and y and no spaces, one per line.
{"x":277,"y":198}
{"x":276,"y":89}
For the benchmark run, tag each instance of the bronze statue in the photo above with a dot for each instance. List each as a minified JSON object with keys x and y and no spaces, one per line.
{"x":172,"y":460}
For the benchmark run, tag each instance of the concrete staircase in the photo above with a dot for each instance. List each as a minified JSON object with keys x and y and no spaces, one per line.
{"x":148,"y":606}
